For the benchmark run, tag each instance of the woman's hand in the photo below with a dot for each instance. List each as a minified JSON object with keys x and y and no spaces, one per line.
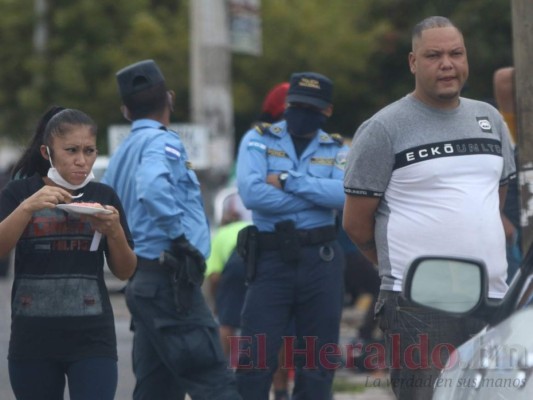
{"x":46,"y":197}
{"x":13,"y":225}
{"x":122,"y":260}
{"x":106,"y":224}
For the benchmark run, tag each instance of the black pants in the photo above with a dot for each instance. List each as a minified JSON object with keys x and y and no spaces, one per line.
{"x":418,"y":343}
{"x":174,"y":353}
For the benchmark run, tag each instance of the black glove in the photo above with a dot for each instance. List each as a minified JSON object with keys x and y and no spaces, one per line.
{"x":191,"y":258}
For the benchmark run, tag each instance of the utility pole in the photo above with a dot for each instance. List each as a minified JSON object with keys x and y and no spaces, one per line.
{"x":40,"y":33}
{"x":211,"y":94}
{"x":522,"y":17}
{"x":211,"y":99}
{"x":40,"y":41}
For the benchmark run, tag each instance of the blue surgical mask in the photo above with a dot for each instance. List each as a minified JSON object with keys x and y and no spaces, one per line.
{"x":303,"y":121}
{"x":56,"y":177}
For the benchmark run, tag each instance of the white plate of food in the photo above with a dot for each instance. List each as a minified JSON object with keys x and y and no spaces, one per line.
{"x":84,"y":208}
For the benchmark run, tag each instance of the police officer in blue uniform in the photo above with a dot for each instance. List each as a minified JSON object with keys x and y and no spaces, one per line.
{"x":290,"y":174}
{"x":176,"y":347}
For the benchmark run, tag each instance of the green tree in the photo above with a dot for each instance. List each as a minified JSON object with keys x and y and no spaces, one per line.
{"x":361,"y":45}
{"x":88,"y":41}
{"x":486,"y":25}
{"x":306,"y":36}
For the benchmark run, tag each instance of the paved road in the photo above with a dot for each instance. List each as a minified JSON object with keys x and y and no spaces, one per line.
{"x":359,"y":386}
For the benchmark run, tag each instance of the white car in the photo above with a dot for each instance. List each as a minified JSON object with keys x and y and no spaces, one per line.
{"x":99,"y":166}
{"x":497,"y":363}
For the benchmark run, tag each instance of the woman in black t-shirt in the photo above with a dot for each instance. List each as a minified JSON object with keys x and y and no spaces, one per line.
{"x":62,"y":320}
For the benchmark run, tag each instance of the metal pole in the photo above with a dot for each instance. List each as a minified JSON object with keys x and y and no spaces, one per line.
{"x":40,"y":43}
{"x":40,"y":33}
{"x":522,"y":13}
{"x":211,"y":99}
{"x":212,"y":103}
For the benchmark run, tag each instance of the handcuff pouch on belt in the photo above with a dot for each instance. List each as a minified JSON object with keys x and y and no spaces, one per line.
{"x":289,"y":245}
{"x":248,"y":249}
{"x":186,"y":273}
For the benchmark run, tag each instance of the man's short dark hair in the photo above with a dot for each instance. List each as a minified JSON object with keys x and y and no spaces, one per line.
{"x":430,"y":23}
{"x":146,"y":102}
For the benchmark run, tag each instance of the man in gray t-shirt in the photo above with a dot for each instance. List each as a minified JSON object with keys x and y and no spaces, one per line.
{"x":426,"y":176}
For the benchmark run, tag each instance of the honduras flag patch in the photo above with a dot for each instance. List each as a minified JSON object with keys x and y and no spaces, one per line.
{"x":172,"y":152}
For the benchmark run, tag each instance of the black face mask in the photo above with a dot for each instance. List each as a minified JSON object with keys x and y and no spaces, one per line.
{"x":302,"y":121}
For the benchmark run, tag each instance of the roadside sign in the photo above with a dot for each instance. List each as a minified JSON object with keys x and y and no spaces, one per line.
{"x":195,"y":138}
{"x":245,"y":26}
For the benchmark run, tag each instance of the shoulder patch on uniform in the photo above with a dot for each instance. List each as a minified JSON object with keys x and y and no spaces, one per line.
{"x":172,"y":152}
{"x":340,"y":159}
{"x":255,"y":145}
{"x":337,"y":138}
{"x":261,"y":127}
{"x":188,"y":165}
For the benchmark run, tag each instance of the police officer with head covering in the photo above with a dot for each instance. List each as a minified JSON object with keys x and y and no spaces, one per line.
{"x":176,"y":347}
{"x":273,"y":105}
{"x":290,"y":174}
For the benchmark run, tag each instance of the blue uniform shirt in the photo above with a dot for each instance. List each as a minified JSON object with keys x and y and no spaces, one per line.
{"x":314,"y":189}
{"x":160,"y":193}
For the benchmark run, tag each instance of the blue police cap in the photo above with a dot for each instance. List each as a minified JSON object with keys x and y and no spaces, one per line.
{"x":137,"y":77}
{"x":310,"y":88}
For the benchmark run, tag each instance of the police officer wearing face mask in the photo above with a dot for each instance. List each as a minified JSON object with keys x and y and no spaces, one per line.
{"x":290,"y":174}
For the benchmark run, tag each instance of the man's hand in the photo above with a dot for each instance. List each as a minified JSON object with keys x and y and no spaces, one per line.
{"x":273,"y":179}
{"x":509,"y":229}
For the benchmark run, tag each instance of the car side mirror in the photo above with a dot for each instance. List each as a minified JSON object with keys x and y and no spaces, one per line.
{"x":453,"y":285}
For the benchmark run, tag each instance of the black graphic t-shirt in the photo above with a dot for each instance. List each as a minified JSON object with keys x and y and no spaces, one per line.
{"x":60,"y":305}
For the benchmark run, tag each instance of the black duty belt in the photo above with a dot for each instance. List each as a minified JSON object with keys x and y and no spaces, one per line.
{"x":306,"y":237}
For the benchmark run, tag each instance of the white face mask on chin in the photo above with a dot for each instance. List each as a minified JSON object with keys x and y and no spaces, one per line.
{"x":58,"y":179}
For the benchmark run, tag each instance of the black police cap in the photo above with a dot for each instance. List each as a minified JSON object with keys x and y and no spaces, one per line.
{"x":310,"y":88}
{"x":137,"y":77}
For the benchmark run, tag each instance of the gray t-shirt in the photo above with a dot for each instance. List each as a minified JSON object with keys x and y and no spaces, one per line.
{"x":438,"y":174}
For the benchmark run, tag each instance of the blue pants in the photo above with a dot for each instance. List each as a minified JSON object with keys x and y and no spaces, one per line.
{"x":231,"y":290}
{"x":514,"y":257}
{"x":88,"y":379}
{"x":174,"y":354}
{"x":308,"y":292}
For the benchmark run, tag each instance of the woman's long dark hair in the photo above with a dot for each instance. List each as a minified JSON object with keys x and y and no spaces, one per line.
{"x":56,"y":121}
